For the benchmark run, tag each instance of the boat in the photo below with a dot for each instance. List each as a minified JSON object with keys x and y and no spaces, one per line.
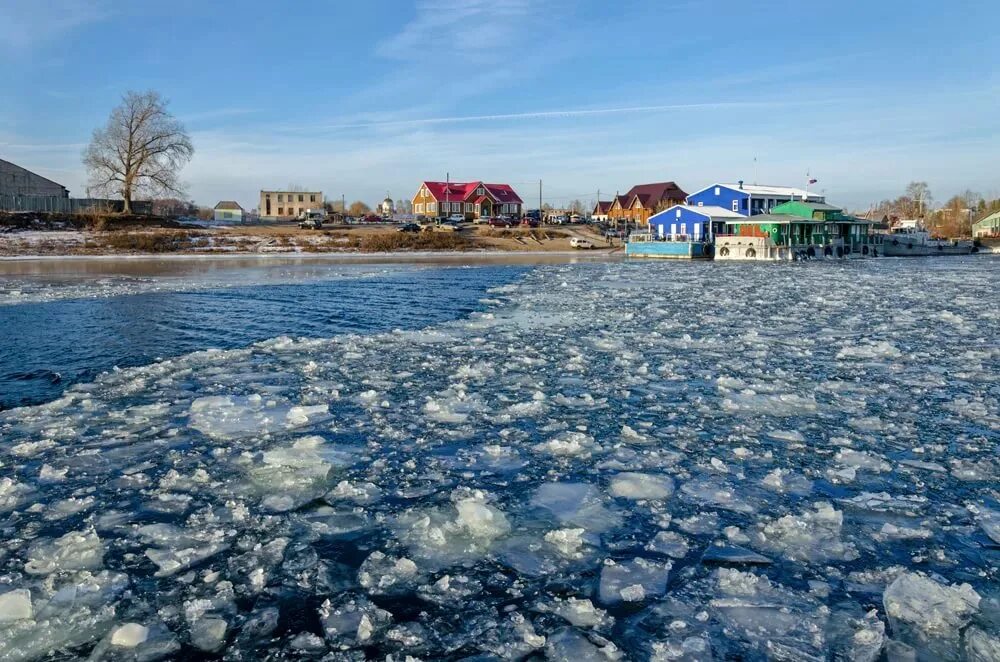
{"x":913,"y":240}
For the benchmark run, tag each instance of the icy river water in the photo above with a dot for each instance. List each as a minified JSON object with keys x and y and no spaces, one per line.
{"x":587,"y":461}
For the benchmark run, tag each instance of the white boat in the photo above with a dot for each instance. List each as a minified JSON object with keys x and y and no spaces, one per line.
{"x":914,"y":240}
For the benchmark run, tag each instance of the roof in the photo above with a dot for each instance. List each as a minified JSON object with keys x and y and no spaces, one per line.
{"x":814,"y":206}
{"x":503,"y":193}
{"x":457,"y":191}
{"x":622,"y":200}
{"x":711,"y":211}
{"x":228,"y":205}
{"x":602,"y":206}
{"x":992,"y":217}
{"x":773,"y":219}
{"x":766,"y":189}
{"x":33,"y":173}
{"x":650,"y":194}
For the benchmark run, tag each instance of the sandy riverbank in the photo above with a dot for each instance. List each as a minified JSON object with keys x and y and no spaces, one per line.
{"x":290,"y":240}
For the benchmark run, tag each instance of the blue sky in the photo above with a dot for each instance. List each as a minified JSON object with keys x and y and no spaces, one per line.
{"x":360,"y":98}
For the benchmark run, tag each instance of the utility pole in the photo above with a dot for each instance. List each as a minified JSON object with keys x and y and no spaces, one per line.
{"x":343,"y":205}
{"x":540,"y":214}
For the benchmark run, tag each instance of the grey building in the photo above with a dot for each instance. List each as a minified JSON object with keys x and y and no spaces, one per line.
{"x":15,"y":180}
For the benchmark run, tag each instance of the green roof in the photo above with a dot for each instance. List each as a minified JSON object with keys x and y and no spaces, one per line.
{"x":992,"y":217}
{"x":772,"y":219}
{"x":812,"y":206}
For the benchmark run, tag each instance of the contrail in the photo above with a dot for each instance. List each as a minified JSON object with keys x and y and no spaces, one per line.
{"x":550,"y":114}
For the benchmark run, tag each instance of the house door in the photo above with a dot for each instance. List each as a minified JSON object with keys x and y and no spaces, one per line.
{"x":487,"y":210}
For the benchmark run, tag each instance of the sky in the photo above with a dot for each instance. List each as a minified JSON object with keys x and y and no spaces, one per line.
{"x":361,"y":99}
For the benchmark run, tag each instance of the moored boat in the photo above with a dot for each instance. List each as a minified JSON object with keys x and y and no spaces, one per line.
{"x":915,"y":241}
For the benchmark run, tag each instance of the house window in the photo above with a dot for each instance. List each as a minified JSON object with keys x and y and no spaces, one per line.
{"x":718,"y":191}
{"x":678,"y":213}
{"x":479,"y":191}
{"x":312,"y":198}
{"x":419,"y":208}
{"x":673,"y":229}
{"x":468,"y":206}
{"x":684,"y":228}
{"x":431,"y":207}
{"x":281,"y":198}
{"x":301,"y":198}
{"x":281,"y":211}
{"x":736,"y":205}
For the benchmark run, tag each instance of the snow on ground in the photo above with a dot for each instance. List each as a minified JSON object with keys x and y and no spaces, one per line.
{"x":609,"y":462}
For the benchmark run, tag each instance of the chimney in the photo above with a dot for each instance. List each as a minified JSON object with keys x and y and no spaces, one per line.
{"x":741,"y":184}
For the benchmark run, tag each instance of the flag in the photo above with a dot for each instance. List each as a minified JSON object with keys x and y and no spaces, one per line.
{"x":813,"y":181}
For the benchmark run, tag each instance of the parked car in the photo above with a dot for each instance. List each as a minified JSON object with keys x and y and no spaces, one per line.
{"x":311,"y":224}
{"x":559,"y":220}
{"x":499,"y":222}
{"x":575,"y":218}
{"x":529,"y":222}
{"x":408,"y":227}
{"x":457,"y":218}
{"x":580,"y":242}
{"x":372,"y":218}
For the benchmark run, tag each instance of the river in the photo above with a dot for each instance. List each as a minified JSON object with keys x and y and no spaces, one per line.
{"x":586,"y":459}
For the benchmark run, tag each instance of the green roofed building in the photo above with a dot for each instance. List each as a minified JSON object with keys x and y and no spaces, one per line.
{"x":987,"y":227}
{"x":797,"y":230}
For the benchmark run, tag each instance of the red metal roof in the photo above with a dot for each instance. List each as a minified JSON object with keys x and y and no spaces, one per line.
{"x":461,"y":191}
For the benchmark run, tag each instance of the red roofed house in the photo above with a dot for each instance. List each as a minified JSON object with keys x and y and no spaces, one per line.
{"x":471,"y":199}
{"x":644,"y":200}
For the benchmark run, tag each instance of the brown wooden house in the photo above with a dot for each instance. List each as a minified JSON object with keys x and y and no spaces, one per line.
{"x":644,"y":200}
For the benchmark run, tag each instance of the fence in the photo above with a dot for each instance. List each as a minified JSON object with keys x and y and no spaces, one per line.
{"x":55,"y":204}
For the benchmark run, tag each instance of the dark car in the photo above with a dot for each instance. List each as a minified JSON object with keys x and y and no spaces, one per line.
{"x":529,"y":222}
{"x":408,"y":227}
{"x":499,"y":223}
{"x":372,"y":218}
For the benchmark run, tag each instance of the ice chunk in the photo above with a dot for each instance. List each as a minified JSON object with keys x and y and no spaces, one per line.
{"x":670,"y":543}
{"x":570,"y":644}
{"x":577,"y":504}
{"x":629,"y":485}
{"x":352,"y":621}
{"x":567,"y":444}
{"x":981,"y":646}
{"x":783,"y":480}
{"x":580,"y":612}
{"x":566,"y":541}
{"x":862,"y":460}
{"x":929,"y":615}
{"x":619,"y":581}
{"x":11,"y":493}
{"x":811,"y":536}
{"x":129,"y":635}
{"x":464,"y":531}
{"x":15,"y":605}
{"x":209,"y":634}
{"x":382,"y":574}
{"x":732,"y":554}
{"x":76,"y":550}
{"x":989,"y":522}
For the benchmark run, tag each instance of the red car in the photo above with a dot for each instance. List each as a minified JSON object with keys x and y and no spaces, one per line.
{"x":499,"y":223}
{"x":528,"y":222}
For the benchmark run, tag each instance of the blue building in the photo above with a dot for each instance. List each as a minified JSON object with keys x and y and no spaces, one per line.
{"x":690,"y":223}
{"x":749,"y":199}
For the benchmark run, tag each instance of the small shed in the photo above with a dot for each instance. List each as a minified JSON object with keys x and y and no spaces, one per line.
{"x":229,"y":211}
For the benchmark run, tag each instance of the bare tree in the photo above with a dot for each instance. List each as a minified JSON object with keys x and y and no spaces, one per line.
{"x":920,"y":193}
{"x":358,"y":208}
{"x":140,"y":151}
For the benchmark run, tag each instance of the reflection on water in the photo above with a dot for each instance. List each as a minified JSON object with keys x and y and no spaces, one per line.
{"x":52,"y":345}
